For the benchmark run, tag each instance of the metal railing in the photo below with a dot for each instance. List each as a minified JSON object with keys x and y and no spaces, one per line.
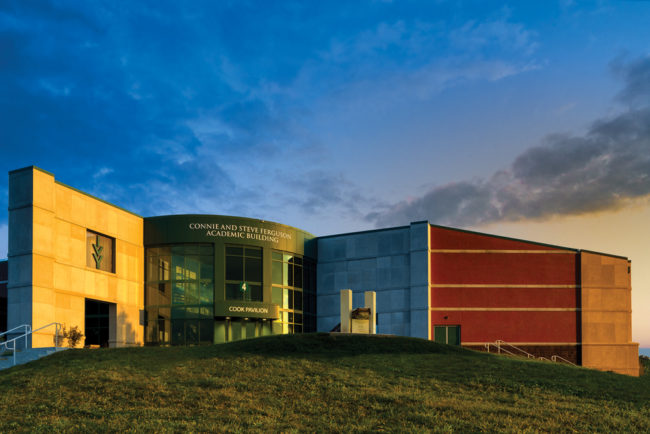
{"x":499,"y":344}
{"x":26,"y":329}
{"x":6,"y":344}
{"x":562,"y":359}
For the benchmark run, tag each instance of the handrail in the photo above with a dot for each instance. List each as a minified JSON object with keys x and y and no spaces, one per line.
{"x":13,"y":341}
{"x":499,"y":344}
{"x":27,"y":328}
{"x":556,"y":357}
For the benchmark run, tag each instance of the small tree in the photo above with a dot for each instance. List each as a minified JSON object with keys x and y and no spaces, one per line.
{"x":73,"y":335}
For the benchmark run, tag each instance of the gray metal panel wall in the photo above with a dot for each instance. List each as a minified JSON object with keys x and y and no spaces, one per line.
{"x":388,"y":261}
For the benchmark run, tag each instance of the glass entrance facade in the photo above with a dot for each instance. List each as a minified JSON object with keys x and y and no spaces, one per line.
{"x":212,"y":279}
{"x":179,"y":294}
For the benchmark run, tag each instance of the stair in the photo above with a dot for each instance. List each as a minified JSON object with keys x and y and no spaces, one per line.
{"x":502,"y":348}
{"x":26,"y":355}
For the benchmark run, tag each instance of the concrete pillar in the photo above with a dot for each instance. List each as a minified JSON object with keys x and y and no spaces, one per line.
{"x":370,"y":299}
{"x":112,"y":327}
{"x":346,"y":310}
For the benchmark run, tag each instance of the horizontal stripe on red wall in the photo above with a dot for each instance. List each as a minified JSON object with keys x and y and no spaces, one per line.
{"x":503,"y":268}
{"x":505,"y":297}
{"x":510,"y":326}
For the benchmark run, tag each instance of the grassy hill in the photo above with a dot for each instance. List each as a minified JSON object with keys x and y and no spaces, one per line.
{"x":315,"y":382}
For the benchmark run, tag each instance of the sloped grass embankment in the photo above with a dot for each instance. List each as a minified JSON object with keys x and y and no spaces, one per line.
{"x":317,"y":382}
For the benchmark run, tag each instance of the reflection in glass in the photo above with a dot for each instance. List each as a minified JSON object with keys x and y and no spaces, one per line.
{"x":243,"y":273}
{"x":179,"y":296}
{"x":293,"y":288}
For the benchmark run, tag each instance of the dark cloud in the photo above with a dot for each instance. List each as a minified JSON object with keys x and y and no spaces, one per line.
{"x":565,"y":175}
{"x":636,"y":75}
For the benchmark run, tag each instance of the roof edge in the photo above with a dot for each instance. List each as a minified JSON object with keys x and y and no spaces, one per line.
{"x":506,"y":238}
{"x":97,"y":198}
{"x":22,"y":169}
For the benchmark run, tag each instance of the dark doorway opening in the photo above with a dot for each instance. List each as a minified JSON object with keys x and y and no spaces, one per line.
{"x":97,"y":323}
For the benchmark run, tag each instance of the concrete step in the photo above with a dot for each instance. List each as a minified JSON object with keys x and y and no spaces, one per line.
{"x":27,"y":355}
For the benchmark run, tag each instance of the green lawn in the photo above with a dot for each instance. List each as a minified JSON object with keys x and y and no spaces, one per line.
{"x":315,"y":382}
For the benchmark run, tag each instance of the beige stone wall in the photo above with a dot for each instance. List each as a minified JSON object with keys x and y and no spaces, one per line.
{"x":607,"y":314}
{"x":58,"y":217}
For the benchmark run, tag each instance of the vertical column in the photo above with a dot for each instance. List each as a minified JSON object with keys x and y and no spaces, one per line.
{"x":606,"y":307}
{"x":112,"y":326}
{"x":346,"y":310}
{"x":420,"y":292}
{"x":43,"y":252}
{"x":21,"y":228}
{"x":370,"y":299}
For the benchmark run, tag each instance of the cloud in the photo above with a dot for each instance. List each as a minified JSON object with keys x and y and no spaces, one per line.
{"x":601,"y":170}
{"x":499,"y":32}
{"x":636,"y":74}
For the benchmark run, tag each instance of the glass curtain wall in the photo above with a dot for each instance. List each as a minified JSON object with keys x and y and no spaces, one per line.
{"x":179,"y":296}
{"x":293,"y":289}
{"x":243,"y":273}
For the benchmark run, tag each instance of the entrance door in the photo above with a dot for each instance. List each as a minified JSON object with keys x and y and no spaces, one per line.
{"x":449,"y":335}
{"x":97,"y":323}
{"x":228,"y":330}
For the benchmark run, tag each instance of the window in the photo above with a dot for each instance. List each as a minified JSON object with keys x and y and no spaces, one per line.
{"x":243,"y":273}
{"x":449,"y":335}
{"x":293,"y":289}
{"x":100,"y":252}
{"x":179,"y":294}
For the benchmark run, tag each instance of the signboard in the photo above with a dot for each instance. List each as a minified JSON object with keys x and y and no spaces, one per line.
{"x":222,"y":230}
{"x":247,"y":232}
{"x":246,"y":309}
{"x":360,"y":326}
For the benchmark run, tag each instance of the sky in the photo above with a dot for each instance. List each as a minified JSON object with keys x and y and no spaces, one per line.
{"x":524,"y":119}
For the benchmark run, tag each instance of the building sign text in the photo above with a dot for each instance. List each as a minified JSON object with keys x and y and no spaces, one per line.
{"x":245,"y":232}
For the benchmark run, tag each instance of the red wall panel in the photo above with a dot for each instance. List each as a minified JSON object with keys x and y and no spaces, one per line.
{"x":529,"y":270}
{"x":511,"y":326}
{"x":505,"y":297}
{"x":503,"y":268}
{"x":443,"y":238}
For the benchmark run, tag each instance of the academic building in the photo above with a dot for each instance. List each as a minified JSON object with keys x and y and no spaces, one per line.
{"x":127,"y":280}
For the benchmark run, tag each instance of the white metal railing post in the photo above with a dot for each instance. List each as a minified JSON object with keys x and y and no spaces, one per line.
{"x":29,"y":330}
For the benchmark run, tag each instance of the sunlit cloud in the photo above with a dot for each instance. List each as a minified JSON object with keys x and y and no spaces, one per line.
{"x":601,"y":170}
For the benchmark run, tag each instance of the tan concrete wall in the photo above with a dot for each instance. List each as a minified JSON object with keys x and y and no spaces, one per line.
{"x":606,"y":303}
{"x":60,"y":278}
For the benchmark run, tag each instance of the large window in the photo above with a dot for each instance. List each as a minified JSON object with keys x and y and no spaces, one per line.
{"x":179,"y":295}
{"x":243,"y":273}
{"x":293,"y":289}
{"x":100,"y":252}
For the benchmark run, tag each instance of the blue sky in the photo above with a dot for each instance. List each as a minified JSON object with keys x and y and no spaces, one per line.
{"x":332,"y":116}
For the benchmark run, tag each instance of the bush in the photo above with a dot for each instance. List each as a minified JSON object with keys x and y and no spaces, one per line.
{"x":73,"y":335}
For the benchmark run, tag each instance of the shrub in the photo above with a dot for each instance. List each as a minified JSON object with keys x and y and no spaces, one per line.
{"x":73,"y":335}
